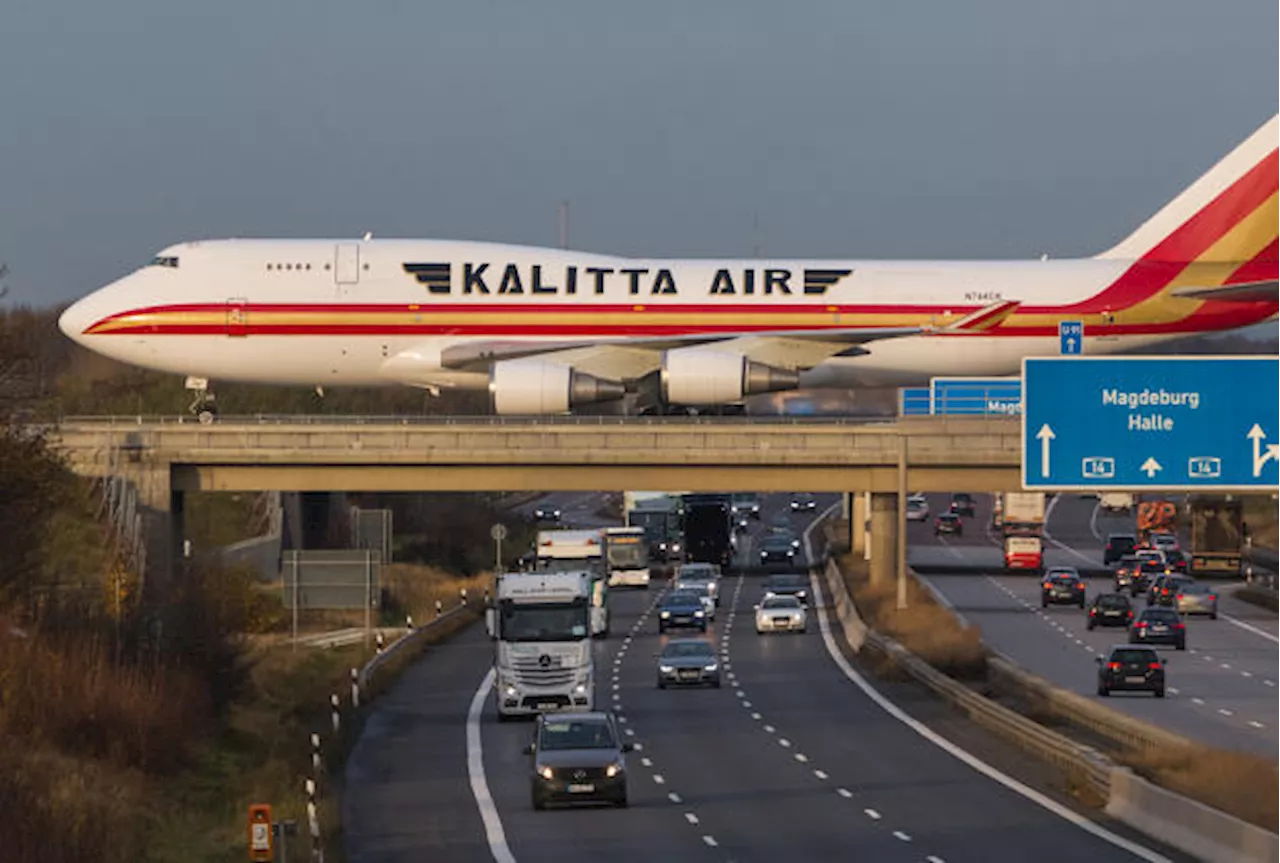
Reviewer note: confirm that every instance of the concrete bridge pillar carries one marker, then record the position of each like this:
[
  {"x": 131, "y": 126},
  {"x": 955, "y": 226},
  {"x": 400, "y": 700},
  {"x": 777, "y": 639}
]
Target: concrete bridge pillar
[
  {"x": 858, "y": 523},
  {"x": 884, "y": 538},
  {"x": 164, "y": 525}
]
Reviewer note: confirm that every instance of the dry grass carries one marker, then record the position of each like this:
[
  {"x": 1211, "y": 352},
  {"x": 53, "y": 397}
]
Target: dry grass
[
  {"x": 1243, "y": 785},
  {"x": 410, "y": 588},
  {"x": 924, "y": 627}
]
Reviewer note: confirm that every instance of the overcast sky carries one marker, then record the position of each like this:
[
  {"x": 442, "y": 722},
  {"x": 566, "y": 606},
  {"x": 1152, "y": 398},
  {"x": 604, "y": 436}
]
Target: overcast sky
[{"x": 882, "y": 128}]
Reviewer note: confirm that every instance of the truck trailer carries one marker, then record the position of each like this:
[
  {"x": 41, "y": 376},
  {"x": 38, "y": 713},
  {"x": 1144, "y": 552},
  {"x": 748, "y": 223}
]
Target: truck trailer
[{"x": 1217, "y": 535}]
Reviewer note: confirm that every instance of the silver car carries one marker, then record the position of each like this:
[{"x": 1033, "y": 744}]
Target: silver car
[
  {"x": 781, "y": 614},
  {"x": 1197, "y": 598},
  {"x": 699, "y": 576}
]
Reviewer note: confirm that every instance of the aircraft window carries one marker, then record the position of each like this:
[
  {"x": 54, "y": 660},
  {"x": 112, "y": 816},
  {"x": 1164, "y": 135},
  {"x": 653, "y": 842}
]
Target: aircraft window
[{"x": 163, "y": 261}]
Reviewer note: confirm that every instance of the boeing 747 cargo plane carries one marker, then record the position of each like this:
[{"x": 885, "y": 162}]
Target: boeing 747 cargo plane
[{"x": 546, "y": 330}]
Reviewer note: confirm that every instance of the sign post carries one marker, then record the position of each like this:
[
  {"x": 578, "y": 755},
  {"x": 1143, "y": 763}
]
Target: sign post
[
  {"x": 261, "y": 841},
  {"x": 1175, "y": 423},
  {"x": 499, "y": 533}
]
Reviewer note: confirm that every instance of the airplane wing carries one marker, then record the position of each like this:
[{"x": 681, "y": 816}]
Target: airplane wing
[
  {"x": 1245, "y": 292},
  {"x": 635, "y": 357}
]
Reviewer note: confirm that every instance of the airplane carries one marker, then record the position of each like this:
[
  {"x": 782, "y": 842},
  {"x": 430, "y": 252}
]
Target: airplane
[{"x": 547, "y": 331}]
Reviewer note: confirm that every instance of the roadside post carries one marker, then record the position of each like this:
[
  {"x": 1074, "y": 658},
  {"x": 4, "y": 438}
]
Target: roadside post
[
  {"x": 261, "y": 841},
  {"x": 499, "y": 533}
]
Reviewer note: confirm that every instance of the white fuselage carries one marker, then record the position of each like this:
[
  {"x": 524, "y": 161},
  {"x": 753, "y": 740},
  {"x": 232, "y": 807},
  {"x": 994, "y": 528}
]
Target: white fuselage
[{"x": 333, "y": 313}]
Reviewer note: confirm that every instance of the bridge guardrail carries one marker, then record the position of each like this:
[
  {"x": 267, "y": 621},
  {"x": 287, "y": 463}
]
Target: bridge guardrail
[{"x": 142, "y": 420}]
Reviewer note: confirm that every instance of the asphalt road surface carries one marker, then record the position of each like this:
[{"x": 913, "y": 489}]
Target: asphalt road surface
[
  {"x": 789, "y": 760},
  {"x": 1222, "y": 690}
]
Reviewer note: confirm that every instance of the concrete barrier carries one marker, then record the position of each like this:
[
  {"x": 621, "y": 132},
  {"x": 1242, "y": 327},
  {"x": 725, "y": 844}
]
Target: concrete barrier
[{"x": 1186, "y": 824}]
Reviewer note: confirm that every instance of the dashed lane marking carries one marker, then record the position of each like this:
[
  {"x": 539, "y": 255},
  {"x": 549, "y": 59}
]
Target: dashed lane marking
[
  {"x": 898, "y": 834},
  {"x": 845, "y": 793}
]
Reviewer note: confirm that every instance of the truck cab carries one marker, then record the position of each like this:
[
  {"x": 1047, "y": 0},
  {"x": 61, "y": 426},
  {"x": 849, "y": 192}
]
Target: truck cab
[{"x": 541, "y": 624}]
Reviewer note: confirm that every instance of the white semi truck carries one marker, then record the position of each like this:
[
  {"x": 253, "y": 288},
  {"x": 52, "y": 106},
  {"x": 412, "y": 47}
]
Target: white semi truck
[
  {"x": 541, "y": 622},
  {"x": 578, "y": 551},
  {"x": 627, "y": 556}
]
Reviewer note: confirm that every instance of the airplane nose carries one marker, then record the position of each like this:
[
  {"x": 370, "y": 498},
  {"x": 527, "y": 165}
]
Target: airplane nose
[{"x": 75, "y": 320}]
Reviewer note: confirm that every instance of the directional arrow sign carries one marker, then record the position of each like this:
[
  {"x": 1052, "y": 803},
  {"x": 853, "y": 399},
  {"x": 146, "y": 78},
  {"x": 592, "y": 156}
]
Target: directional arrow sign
[
  {"x": 1151, "y": 423},
  {"x": 1044, "y": 436}
]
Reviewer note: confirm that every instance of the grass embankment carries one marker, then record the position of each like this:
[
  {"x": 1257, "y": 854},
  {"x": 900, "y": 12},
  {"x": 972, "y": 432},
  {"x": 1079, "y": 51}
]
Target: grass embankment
[{"x": 1246, "y": 786}]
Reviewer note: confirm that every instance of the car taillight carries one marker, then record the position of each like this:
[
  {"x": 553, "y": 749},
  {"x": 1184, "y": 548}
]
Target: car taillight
[
  {"x": 1080, "y": 585},
  {"x": 1114, "y": 666},
  {"x": 1179, "y": 626},
  {"x": 1046, "y": 585},
  {"x": 1141, "y": 624},
  {"x": 1092, "y": 612},
  {"x": 1131, "y": 615},
  {"x": 1153, "y": 666}
]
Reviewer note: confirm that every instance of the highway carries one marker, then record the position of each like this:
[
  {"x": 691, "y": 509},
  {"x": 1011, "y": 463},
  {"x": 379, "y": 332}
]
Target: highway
[
  {"x": 789, "y": 760},
  {"x": 1222, "y": 690}
]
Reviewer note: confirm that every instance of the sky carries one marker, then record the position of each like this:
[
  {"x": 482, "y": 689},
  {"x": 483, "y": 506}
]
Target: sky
[{"x": 875, "y": 129}]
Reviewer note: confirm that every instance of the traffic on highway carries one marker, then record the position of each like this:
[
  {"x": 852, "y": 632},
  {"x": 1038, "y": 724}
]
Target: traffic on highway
[
  {"x": 1117, "y": 571},
  {"x": 723, "y": 724}
]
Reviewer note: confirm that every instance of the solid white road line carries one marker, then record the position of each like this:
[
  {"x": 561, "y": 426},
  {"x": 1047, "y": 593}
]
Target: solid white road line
[
  {"x": 1235, "y": 621},
  {"x": 493, "y": 832},
  {"x": 963, "y": 755}
]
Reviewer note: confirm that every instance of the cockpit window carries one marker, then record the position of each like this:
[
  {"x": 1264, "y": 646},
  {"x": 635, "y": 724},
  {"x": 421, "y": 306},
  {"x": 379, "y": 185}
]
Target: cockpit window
[{"x": 164, "y": 261}]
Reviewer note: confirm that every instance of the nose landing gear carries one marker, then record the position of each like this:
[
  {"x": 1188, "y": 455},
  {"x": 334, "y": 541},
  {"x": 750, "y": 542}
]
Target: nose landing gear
[{"x": 204, "y": 406}]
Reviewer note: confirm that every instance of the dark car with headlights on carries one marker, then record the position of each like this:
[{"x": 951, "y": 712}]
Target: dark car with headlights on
[
  {"x": 1159, "y": 626},
  {"x": 577, "y": 758},
  {"x": 1132, "y": 669},
  {"x": 803, "y": 503},
  {"x": 682, "y": 608},
  {"x": 962, "y": 504},
  {"x": 1062, "y": 585},
  {"x": 547, "y": 513},
  {"x": 777, "y": 549},
  {"x": 949, "y": 523},
  {"x": 1110, "y": 609},
  {"x": 688, "y": 662},
  {"x": 787, "y": 585}
]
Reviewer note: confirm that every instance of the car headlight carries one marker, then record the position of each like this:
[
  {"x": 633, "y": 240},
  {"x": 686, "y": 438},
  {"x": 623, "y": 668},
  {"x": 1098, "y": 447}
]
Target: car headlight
[
  {"x": 698, "y": 613},
  {"x": 712, "y": 667},
  {"x": 666, "y": 669},
  {"x": 546, "y": 773},
  {"x": 763, "y": 555},
  {"x": 665, "y": 614},
  {"x": 511, "y": 691},
  {"x": 612, "y": 770},
  {"x": 802, "y": 594},
  {"x": 580, "y": 689}
]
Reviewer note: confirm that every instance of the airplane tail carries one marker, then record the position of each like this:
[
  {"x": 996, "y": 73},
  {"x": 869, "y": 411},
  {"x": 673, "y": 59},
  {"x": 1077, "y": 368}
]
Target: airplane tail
[{"x": 1228, "y": 215}]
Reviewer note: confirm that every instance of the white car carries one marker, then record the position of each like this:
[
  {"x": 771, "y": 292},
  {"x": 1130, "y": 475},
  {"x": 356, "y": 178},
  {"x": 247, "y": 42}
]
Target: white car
[
  {"x": 917, "y": 508},
  {"x": 781, "y": 614},
  {"x": 699, "y": 576},
  {"x": 702, "y": 588}
]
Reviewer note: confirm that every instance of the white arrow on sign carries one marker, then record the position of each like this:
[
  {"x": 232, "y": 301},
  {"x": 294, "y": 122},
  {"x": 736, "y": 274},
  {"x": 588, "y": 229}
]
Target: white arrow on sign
[
  {"x": 1150, "y": 466},
  {"x": 1261, "y": 456},
  {"x": 1044, "y": 436}
]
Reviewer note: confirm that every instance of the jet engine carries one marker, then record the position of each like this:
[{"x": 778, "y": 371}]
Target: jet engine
[
  {"x": 534, "y": 386},
  {"x": 705, "y": 376}
]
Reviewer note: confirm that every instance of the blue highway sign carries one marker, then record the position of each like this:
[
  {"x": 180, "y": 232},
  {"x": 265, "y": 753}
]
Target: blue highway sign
[
  {"x": 914, "y": 401},
  {"x": 976, "y": 396},
  {"x": 1151, "y": 422},
  {"x": 1070, "y": 337}
]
